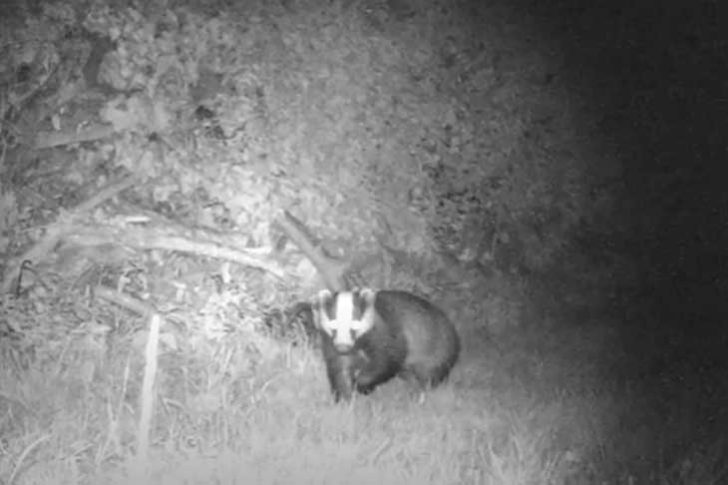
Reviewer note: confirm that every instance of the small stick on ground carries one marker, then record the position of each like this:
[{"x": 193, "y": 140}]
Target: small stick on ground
[{"x": 146, "y": 401}]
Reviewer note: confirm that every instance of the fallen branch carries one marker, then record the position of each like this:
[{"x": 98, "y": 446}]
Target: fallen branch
[
  {"x": 59, "y": 229},
  {"x": 171, "y": 238},
  {"x": 333, "y": 271}
]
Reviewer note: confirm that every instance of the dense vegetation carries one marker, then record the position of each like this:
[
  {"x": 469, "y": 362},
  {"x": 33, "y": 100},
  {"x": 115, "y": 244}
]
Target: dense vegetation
[{"x": 546, "y": 174}]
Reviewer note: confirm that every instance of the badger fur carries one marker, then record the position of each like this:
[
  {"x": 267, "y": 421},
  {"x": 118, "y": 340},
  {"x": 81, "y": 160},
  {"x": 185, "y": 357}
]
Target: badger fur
[{"x": 369, "y": 337}]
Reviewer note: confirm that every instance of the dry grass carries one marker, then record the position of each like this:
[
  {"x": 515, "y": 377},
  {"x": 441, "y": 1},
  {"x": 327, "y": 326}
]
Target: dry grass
[{"x": 545, "y": 409}]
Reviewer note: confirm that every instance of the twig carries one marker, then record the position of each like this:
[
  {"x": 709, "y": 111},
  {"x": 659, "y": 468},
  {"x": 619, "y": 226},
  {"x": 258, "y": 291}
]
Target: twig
[
  {"x": 24, "y": 455},
  {"x": 106, "y": 193},
  {"x": 125, "y": 301},
  {"x": 47, "y": 139}
]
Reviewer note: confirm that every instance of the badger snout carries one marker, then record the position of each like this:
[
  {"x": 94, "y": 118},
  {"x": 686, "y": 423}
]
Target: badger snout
[{"x": 343, "y": 347}]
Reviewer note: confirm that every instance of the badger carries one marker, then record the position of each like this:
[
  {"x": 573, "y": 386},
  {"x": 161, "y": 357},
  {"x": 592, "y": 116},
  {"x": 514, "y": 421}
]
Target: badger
[{"x": 368, "y": 337}]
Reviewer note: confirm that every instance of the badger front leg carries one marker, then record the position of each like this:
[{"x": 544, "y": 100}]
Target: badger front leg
[
  {"x": 343, "y": 371},
  {"x": 378, "y": 367}
]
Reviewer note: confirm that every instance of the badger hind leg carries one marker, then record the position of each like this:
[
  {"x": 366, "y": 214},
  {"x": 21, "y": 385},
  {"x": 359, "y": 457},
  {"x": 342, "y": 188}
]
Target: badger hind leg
[{"x": 424, "y": 378}]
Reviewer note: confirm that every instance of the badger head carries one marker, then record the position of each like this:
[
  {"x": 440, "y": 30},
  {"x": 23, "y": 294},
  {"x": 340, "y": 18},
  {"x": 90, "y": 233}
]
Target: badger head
[{"x": 344, "y": 316}]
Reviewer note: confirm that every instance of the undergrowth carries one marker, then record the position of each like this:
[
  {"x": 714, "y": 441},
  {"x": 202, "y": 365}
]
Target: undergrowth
[{"x": 438, "y": 128}]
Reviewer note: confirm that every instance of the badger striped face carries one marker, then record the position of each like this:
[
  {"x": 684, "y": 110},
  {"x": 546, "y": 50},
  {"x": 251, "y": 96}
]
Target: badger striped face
[{"x": 345, "y": 316}]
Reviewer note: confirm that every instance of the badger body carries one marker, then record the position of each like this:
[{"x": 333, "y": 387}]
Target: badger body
[{"x": 370, "y": 337}]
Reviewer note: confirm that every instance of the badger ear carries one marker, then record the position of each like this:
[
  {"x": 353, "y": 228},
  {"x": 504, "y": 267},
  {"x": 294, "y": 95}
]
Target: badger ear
[
  {"x": 368, "y": 295},
  {"x": 323, "y": 296}
]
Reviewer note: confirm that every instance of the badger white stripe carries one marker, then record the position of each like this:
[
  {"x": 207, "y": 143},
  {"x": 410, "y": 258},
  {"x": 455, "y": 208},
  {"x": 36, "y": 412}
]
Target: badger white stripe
[
  {"x": 344, "y": 320},
  {"x": 344, "y": 307}
]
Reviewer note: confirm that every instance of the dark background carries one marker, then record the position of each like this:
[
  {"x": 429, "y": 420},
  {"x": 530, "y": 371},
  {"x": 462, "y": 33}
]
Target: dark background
[{"x": 659, "y": 71}]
